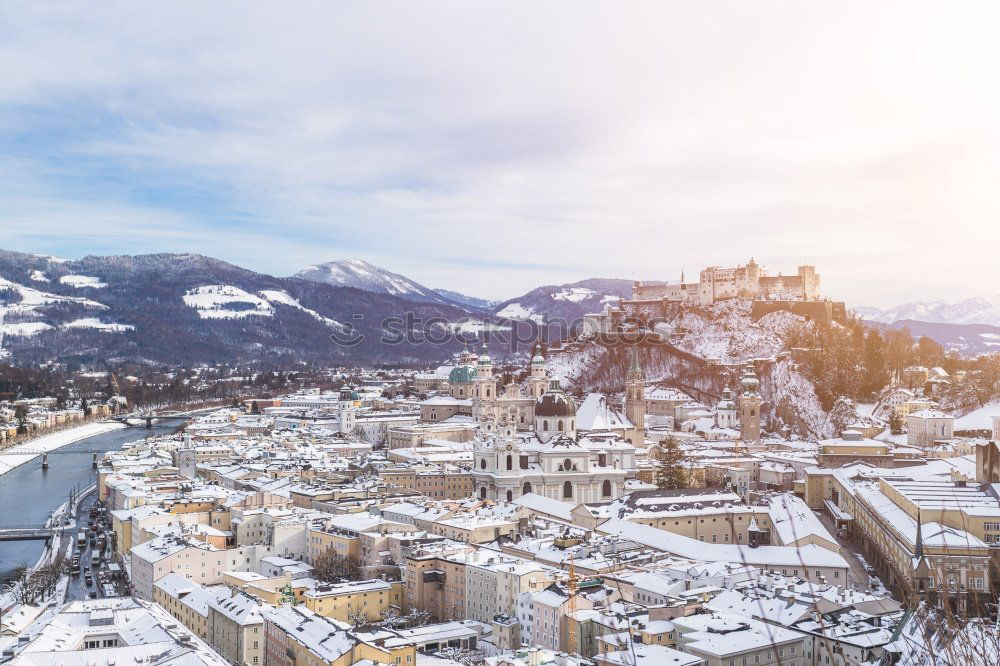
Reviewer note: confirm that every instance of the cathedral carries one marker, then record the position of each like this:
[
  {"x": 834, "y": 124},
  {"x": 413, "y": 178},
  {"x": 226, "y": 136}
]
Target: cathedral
[{"x": 529, "y": 441}]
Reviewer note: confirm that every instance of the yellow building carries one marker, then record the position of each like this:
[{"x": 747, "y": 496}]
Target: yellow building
[
  {"x": 348, "y": 601},
  {"x": 296, "y": 636}
]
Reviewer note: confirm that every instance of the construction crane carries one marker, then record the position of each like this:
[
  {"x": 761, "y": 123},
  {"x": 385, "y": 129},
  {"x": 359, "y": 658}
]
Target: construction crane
[{"x": 573, "y": 586}]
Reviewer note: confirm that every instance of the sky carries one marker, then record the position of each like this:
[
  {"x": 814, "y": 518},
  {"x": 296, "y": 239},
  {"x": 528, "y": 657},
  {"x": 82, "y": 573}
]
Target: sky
[{"x": 493, "y": 147}]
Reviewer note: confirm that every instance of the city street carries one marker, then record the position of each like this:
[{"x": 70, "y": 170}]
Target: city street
[
  {"x": 857, "y": 575},
  {"x": 78, "y": 588}
]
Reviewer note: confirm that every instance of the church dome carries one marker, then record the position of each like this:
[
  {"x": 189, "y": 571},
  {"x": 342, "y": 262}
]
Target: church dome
[
  {"x": 462, "y": 374},
  {"x": 555, "y": 403},
  {"x": 348, "y": 394}
]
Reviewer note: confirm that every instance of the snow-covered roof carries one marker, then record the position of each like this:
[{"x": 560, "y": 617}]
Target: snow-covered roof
[{"x": 594, "y": 413}]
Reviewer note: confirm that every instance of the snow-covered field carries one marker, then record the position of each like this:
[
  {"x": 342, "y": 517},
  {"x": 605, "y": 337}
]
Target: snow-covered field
[
  {"x": 518, "y": 312},
  {"x": 573, "y": 294},
  {"x": 94, "y": 322},
  {"x": 211, "y": 300},
  {"x": 25, "y": 329},
  {"x": 81, "y": 281},
  {"x": 32, "y": 298},
  {"x": 28, "y": 329},
  {"x": 11, "y": 458},
  {"x": 475, "y": 327}
]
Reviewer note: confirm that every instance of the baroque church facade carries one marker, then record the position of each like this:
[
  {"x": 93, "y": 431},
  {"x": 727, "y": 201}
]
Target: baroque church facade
[{"x": 529, "y": 441}]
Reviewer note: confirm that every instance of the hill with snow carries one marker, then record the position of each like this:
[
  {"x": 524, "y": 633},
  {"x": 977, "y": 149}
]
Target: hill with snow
[
  {"x": 185, "y": 308},
  {"x": 564, "y": 305},
  {"x": 365, "y": 276},
  {"x": 708, "y": 348}
]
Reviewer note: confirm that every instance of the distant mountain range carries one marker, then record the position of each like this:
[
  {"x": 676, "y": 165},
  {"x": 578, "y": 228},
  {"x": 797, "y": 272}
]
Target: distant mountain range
[
  {"x": 970, "y": 326},
  {"x": 966, "y": 339},
  {"x": 977, "y": 310},
  {"x": 188, "y": 309}
]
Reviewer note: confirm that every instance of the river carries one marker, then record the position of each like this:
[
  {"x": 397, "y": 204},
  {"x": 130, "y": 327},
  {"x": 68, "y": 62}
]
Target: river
[{"x": 28, "y": 494}]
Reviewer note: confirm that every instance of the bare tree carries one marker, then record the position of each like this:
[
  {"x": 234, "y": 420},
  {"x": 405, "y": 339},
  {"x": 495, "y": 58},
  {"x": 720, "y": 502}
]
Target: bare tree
[{"x": 331, "y": 567}]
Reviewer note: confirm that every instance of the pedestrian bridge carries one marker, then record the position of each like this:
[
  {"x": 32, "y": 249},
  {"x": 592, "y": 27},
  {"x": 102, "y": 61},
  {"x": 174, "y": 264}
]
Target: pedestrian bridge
[{"x": 25, "y": 533}]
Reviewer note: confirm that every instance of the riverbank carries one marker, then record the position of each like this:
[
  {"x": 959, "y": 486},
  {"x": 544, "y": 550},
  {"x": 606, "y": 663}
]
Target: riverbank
[{"x": 12, "y": 457}]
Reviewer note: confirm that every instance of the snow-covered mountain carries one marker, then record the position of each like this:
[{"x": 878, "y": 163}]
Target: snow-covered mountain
[
  {"x": 566, "y": 302},
  {"x": 363, "y": 275},
  {"x": 976, "y": 310},
  {"x": 468, "y": 301},
  {"x": 187, "y": 308}
]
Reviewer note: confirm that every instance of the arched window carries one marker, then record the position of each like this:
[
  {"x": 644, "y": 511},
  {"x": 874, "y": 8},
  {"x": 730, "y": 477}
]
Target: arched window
[
  {"x": 606, "y": 488},
  {"x": 482, "y": 464},
  {"x": 526, "y": 488},
  {"x": 487, "y": 393},
  {"x": 510, "y": 495},
  {"x": 524, "y": 462},
  {"x": 482, "y": 492},
  {"x": 510, "y": 462},
  {"x": 560, "y": 426},
  {"x": 751, "y": 412},
  {"x": 545, "y": 424},
  {"x": 568, "y": 490}
]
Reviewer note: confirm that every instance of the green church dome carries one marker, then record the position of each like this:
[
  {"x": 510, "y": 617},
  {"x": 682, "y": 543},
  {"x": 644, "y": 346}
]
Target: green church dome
[{"x": 462, "y": 374}]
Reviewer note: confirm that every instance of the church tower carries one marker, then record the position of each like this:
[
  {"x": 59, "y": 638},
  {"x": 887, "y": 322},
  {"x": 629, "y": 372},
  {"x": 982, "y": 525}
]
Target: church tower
[
  {"x": 537, "y": 375},
  {"x": 750, "y": 405},
  {"x": 635, "y": 398},
  {"x": 725, "y": 412},
  {"x": 346, "y": 411},
  {"x": 484, "y": 388}
]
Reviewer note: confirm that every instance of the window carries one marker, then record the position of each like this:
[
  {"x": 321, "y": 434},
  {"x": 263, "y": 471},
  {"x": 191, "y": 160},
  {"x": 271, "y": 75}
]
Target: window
[
  {"x": 510, "y": 462},
  {"x": 482, "y": 464},
  {"x": 606, "y": 488},
  {"x": 568, "y": 489},
  {"x": 526, "y": 488}
]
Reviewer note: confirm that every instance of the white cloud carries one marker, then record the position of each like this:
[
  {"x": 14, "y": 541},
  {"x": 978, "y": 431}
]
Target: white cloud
[{"x": 592, "y": 139}]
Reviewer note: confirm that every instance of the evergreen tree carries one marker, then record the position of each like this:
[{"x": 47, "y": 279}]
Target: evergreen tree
[
  {"x": 21, "y": 415},
  {"x": 671, "y": 474},
  {"x": 895, "y": 423}
]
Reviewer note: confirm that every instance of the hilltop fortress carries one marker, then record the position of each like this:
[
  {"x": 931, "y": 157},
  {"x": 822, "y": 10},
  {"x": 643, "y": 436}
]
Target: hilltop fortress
[
  {"x": 798, "y": 293},
  {"x": 748, "y": 281}
]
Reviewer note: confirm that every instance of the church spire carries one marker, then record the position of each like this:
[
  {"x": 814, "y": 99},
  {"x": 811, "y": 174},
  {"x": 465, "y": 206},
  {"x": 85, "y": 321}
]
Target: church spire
[
  {"x": 634, "y": 367},
  {"x": 918, "y": 550}
]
